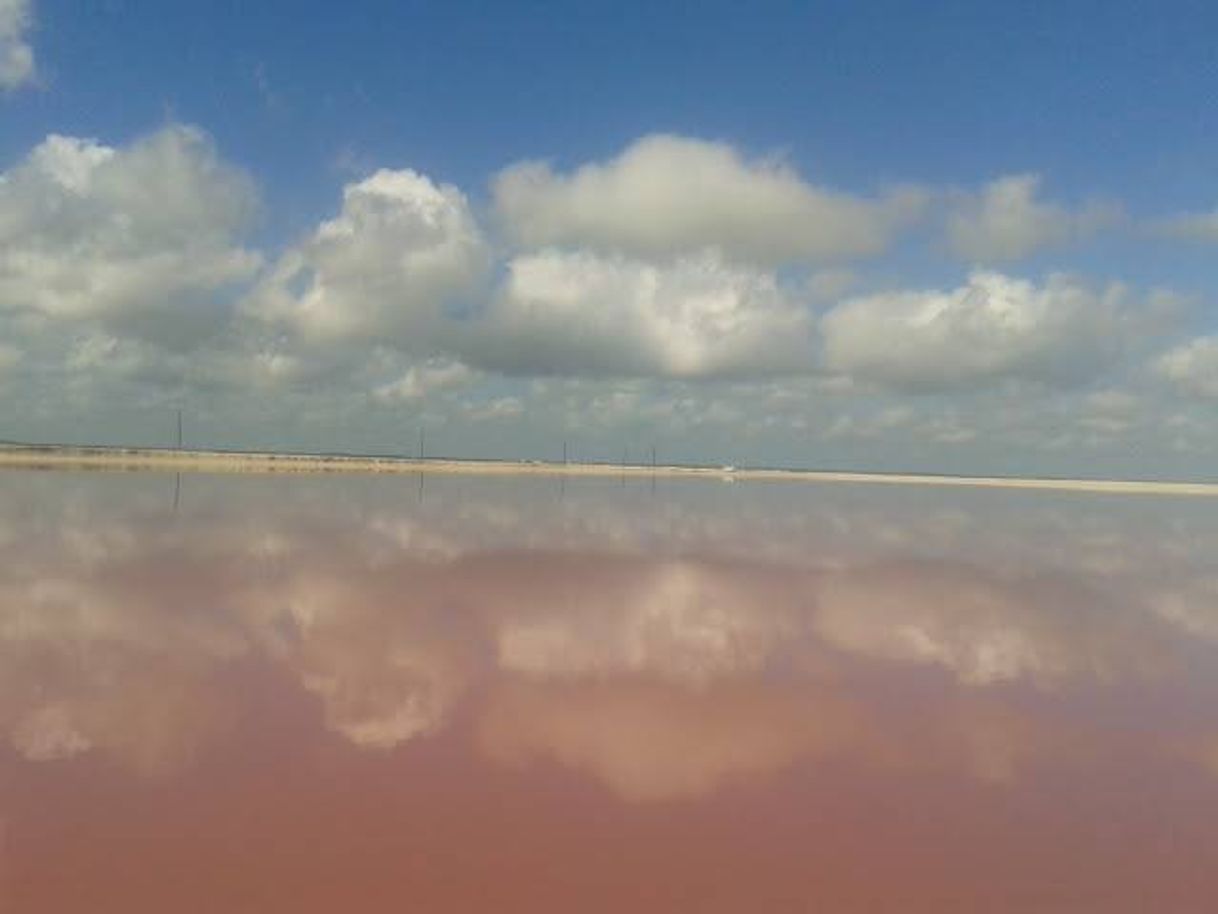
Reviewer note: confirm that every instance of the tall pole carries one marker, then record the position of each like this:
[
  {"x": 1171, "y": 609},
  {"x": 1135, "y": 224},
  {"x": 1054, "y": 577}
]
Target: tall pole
[
  {"x": 564, "y": 452},
  {"x": 179, "y": 430},
  {"x": 422, "y": 440}
]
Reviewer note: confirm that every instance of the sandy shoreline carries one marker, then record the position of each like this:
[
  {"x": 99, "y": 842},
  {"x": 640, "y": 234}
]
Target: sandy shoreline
[{"x": 134, "y": 459}]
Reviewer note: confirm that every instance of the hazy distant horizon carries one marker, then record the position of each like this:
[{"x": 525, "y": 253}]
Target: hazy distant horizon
[{"x": 69, "y": 457}]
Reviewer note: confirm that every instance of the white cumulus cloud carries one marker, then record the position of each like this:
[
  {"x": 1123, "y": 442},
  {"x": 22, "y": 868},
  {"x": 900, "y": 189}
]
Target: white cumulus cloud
[
  {"x": 1192, "y": 367},
  {"x": 143, "y": 237},
  {"x": 16, "y": 55},
  {"x": 429, "y": 377},
  {"x": 1007, "y": 221},
  {"x": 666, "y": 195},
  {"x": 384, "y": 268},
  {"x": 993, "y": 328},
  {"x": 584, "y": 314}
]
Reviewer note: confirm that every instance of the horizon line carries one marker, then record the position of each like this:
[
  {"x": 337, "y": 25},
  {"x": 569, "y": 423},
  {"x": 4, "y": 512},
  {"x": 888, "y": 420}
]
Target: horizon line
[{"x": 15, "y": 455}]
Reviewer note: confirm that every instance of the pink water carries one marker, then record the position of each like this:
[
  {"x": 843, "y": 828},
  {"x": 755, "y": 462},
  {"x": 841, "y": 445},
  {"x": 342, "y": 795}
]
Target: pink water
[{"x": 504, "y": 695}]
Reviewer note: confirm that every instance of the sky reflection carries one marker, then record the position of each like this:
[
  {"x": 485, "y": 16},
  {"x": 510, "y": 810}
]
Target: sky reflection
[{"x": 964, "y": 680}]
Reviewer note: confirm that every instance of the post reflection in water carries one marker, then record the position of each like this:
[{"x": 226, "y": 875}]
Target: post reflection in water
[{"x": 332, "y": 694}]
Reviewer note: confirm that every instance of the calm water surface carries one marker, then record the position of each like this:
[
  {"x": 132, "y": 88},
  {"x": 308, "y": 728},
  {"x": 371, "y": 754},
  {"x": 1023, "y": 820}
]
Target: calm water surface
[{"x": 450, "y": 695}]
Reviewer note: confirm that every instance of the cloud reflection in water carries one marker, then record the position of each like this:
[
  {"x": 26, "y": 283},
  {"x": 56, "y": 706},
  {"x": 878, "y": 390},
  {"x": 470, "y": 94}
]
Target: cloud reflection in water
[{"x": 662, "y": 650}]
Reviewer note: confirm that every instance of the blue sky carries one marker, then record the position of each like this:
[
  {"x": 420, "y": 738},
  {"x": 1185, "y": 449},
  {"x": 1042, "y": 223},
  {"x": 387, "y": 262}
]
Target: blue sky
[
  {"x": 1101, "y": 98},
  {"x": 1107, "y": 109}
]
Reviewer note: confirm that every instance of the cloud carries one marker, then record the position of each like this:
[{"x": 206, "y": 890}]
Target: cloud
[
  {"x": 663, "y": 674},
  {"x": 405, "y": 265},
  {"x": 578, "y": 313},
  {"x": 985, "y": 627},
  {"x": 648, "y": 742},
  {"x": 142, "y": 238},
  {"x": 1190, "y": 603},
  {"x": 382, "y": 674},
  {"x": 10, "y": 356},
  {"x": 1007, "y": 222},
  {"x": 145, "y": 691},
  {"x": 1192, "y": 367},
  {"x": 685, "y": 621},
  {"x": 400, "y": 250},
  {"x": 16, "y": 55},
  {"x": 991, "y": 329},
  {"x": 651, "y": 742},
  {"x": 48, "y": 733},
  {"x": 666, "y": 195},
  {"x": 126, "y": 277},
  {"x": 427, "y": 378},
  {"x": 1193, "y": 226},
  {"x": 498, "y": 408}
]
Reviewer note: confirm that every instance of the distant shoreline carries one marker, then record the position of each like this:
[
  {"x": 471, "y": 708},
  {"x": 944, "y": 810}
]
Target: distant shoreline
[{"x": 57, "y": 457}]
